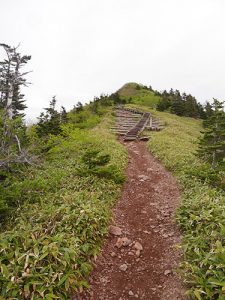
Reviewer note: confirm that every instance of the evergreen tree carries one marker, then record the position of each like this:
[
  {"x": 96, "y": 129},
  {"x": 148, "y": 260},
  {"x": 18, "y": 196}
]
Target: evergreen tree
[
  {"x": 201, "y": 111},
  {"x": 63, "y": 115},
  {"x": 79, "y": 106},
  {"x": 11, "y": 80},
  {"x": 50, "y": 120},
  {"x": 116, "y": 99},
  {"x": 190, "y": 106},
  {"x": 209, "y": 110},
  {"x": 208, "y": 114},
  {"x": 103, "y": 100},
  {"x": 11, "y": 99},
  {"x": 94, "y": 107},
  {"x": 177, "y": 105},
  {"x": 18, "y": 103},
  {"x": 165, "y": 100},
  {"x": 212, "y": 143},
  {"x": 181, "y": 105},
  {"x": 164, "y": 103}
]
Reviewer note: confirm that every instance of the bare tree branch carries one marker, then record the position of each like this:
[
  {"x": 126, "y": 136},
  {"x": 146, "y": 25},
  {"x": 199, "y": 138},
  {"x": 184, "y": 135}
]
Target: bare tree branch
[{"x": 22, "y": 158}]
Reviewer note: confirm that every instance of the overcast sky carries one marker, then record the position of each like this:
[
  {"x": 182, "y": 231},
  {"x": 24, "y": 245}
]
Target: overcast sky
[{"x": 82, "y": 48}]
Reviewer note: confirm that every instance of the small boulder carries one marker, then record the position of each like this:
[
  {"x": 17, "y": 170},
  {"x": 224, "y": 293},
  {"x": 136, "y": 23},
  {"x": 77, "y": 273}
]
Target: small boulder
[
  {"x": 113, "y": 254},
  {"x": 138, "y": 253},
  {"x": 167, "y": 272},
  {"x": 138, "y": 246},
  {"x": 123, "y": 267},
  {"x": 143, "y": 177},
  {"x": 115, "y": 230},
  {"x": 131, "y": 293},
  {"x": 123, "y": 242}
]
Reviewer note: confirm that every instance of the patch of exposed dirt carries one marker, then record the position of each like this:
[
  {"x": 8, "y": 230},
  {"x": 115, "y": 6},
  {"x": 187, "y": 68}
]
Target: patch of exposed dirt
[{"x": 140, "y": 261}]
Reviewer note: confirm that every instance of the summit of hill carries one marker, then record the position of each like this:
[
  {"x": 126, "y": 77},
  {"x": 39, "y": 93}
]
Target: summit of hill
[{"x": 138, "y": 94}]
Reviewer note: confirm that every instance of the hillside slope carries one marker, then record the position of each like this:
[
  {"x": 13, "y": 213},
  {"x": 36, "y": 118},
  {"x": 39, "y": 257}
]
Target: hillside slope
[
  {"x": 60, "y": 209},
  {"x": 201, "y": 215},
  {"x": 63, "y": 213}
]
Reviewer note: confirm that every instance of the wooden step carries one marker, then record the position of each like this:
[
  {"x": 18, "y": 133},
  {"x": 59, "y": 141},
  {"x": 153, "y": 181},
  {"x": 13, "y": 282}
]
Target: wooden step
[
  {"x": 130, "y": 138},
  {"x": 144, "y": 138}
]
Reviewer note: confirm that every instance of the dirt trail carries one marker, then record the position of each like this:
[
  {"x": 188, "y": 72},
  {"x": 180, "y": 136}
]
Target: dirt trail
[{"x": 144, "y": 212}]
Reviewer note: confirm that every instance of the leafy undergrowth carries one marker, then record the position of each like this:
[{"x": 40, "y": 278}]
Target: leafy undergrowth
[
  {"x": 201, "y": 215},
  {"x": 46, "y": 251}
]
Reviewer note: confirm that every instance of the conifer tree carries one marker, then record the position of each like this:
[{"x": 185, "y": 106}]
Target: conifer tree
[
  {"x": 181, "y": 105},
  {"x": 115, "y": 97},
  {"x": 11, "y": 99},
  {"x": 63, "y": 115},
  {"x": 190, "y": 106},
  {"x": 208, "y": 109},
  {"x": 94, "y": 106},
  {"x": 212, "y": 143},
  {"x": 50, "y": 120},
  {"x": 177, "y": 105},
  {"x": 201, "y": 111},
  {"x": 164, "y": 103},
  {"x": 11, "y": 80},
  {"x": 79, "y": 106}
]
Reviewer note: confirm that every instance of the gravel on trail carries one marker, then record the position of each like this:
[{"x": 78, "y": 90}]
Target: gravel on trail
[{"x": 140, "y": 256}]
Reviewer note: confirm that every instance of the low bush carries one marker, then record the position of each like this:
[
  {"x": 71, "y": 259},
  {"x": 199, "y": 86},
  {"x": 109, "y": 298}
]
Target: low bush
[
  {"x": 97, "y": 164},
  {"x": 206, "y": 174}
]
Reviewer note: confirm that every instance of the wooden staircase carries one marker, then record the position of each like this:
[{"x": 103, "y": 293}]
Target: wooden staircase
[{"x": 131, "y": 122}]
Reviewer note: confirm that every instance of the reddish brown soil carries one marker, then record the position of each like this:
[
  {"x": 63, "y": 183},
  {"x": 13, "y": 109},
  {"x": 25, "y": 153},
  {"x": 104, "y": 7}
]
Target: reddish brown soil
[{"x": 145, "y": 213}]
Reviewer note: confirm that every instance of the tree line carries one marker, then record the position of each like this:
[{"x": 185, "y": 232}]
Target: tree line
[
  {"x": 212, "y": 142},
  {"x": 182, "y": 104},
  {"x": 13, "y": 145},
  {"x": 13, "y": 137}
]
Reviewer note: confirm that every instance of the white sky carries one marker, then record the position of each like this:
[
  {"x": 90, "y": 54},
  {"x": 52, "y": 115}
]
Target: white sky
[{"x": 81, "y": 48}]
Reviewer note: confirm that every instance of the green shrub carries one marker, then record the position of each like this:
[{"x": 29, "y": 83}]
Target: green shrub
[
  {"x": 111, "y": 172},
  {"x": 205, "y": 173},
  {"x": 85, "y": 119},
  {"x": 97, "y": 164},
  {"x": 92, "y": 159}
]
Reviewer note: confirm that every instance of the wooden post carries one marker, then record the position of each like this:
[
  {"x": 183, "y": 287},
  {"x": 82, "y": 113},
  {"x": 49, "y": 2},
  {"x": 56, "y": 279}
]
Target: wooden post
[{"x": 150, "y": 121}]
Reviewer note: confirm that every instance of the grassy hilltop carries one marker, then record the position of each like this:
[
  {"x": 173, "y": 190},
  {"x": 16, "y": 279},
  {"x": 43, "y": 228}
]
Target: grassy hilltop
[{"x": 138, "y": 94}]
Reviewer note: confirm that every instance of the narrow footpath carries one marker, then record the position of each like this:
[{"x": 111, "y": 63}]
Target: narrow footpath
[{"x": 140, "y": 255}]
